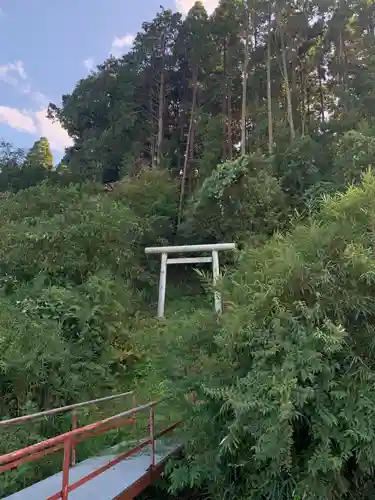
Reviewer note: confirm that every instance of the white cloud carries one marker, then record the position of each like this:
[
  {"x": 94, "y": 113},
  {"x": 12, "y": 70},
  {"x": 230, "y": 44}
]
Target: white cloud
[
  {"x": 120, "y": 44},
  {"x": 14, "y": 74},
  {"x": 36, "y": 123},
  {"x": 185, "y": 5},
  {"x": 2, "y": 13},
  {"x": 20, "y": 69},
  {"x": 31, "y": 121},
  {"x": 89, "y": 63},
  {"x": 15, "y": 118},
  {"x": 57, "y": 136},
  {"x": 40, "y": 99}
]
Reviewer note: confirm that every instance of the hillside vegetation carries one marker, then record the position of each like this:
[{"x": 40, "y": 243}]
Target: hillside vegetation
[{"x": 253, "y": 125}]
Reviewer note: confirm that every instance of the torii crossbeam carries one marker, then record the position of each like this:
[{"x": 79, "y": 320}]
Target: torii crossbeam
[{"x": 214, "y": 249}]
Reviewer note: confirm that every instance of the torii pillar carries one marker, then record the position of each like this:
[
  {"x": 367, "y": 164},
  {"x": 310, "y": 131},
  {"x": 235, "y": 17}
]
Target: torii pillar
[{"x": 214, "y": 249}]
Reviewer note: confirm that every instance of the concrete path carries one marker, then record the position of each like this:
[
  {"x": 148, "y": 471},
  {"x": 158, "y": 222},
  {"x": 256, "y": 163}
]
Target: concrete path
[{"x": 107, "y": 485}]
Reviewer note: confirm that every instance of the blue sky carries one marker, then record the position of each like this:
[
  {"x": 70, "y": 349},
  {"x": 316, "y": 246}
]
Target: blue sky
[{"x": 47, "y": 45}]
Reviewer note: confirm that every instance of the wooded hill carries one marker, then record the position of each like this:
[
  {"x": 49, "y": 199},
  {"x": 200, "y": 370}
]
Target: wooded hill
[{"x": 255, "y": 125}]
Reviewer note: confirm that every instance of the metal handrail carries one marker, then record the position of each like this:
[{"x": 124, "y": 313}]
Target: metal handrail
[
  {"x": 68, "y": 439},
  {"x": 14, "y": 455},
  {"x": 62, "y": 409}
]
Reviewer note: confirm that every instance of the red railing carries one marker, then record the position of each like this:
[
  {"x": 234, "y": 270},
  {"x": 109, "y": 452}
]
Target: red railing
[
  {"x": 68, "y": 441},
  {"x": 72, "y": 409}
]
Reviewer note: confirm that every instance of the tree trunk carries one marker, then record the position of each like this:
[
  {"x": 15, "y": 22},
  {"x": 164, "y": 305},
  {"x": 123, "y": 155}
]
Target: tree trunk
[
  {"x": 269, "y": 90},
  {"x": 161, "y": 115},
  {"x": 341, "y": 57},
  {"x": 224, "y": 101},
  {"x": 152, "y": 140},
  {"x": 308, "y": 108},
  {"x": 287, "y": 87},
  {"x": 191, "y": 154},
  {"x": 303, "y": 100},
  {"x": 321, "y": 94},
  {"x": 229, "y": 121},
  {"x": 187, "y": 150},
  {"x": 181, "y": 140},
  {"x": 153, "y": 152},
  {"x": 182, "y": 123},
  {"x": 294, "y": 93},
  {"x": 244, "y": 88},
  {"x": 229, "y": 103}
]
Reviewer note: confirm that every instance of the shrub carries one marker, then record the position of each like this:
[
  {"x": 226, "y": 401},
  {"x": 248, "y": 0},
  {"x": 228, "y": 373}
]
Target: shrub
[
  {"x": 44, "y": 201},
  {"x": 62, "y": 345},
  {"x": 354, "y": 155},
  {"x": 150, "y": 193},
  {"x": 70, "y": 262},
  {"x": 286, "y": 378},
  {"x": 301, "y": 168},
  {"x": 72, "y": 232},
  {"x": 239, "y": 200},
  {"x": 153, "y": 197}
]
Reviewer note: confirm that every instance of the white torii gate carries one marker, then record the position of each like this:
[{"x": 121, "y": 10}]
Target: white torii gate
[{"x": 165, "y": 260}]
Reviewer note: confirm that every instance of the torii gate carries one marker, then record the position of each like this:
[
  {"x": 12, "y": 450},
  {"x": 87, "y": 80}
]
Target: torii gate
[{"x": 165, "y": 260}]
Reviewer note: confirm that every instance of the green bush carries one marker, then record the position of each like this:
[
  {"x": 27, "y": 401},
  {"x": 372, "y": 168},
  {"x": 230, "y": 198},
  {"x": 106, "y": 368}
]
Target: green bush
[
  {"x": 304, "y": 170},
  {"x": 150, "y": 193},
  {"x": 354, "y": 155},
  {"x": 72, "y": 283},
  {"x": 240, "y": 199},
  {"x": 69, "y": 233},
  {"x": 44, "y": 200},
  {"x": 91, "y": 235},
  {"x": 286, "y": 378},
  {"x": 65, "y": 343}
]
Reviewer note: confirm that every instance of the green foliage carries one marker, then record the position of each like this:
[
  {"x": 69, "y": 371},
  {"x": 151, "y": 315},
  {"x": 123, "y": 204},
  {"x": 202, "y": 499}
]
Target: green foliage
[
  {"x": 135, "y": 111},
  {"x": 152, "y": 196},
  {"x": 285, "y": 378},
  {"x": 150, "y": 193},
  {"x": 210, "y": 130},
  {"x": 71, "y": 258},
  {"x": 88, "y": 235},
  {"x": 304, "y": 169},
  {"x": 69, "y": 233},
  {"x": 61, "y": 345},
  {"x": 73, "y": 279},
  {"x": 354, "y": 155},
  {"x": 69, "y": 331},
  {"x": 240, "y": 200},
  {"x": 64, "y": 239},
  {"x": 44, "y": 201},
  {"x": 20, "y": 171},
  {"x": 40, "y": 155}
]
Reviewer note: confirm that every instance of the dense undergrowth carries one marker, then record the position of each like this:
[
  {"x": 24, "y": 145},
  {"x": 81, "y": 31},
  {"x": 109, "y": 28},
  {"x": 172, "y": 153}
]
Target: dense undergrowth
[{"x": 284, "y": 378}]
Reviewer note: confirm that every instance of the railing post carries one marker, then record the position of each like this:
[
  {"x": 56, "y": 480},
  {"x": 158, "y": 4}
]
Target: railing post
[
  {"x": 152, "y": 436},
  {"x": 74, "y": 426},
  {"x": 66, "y": 467}
]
